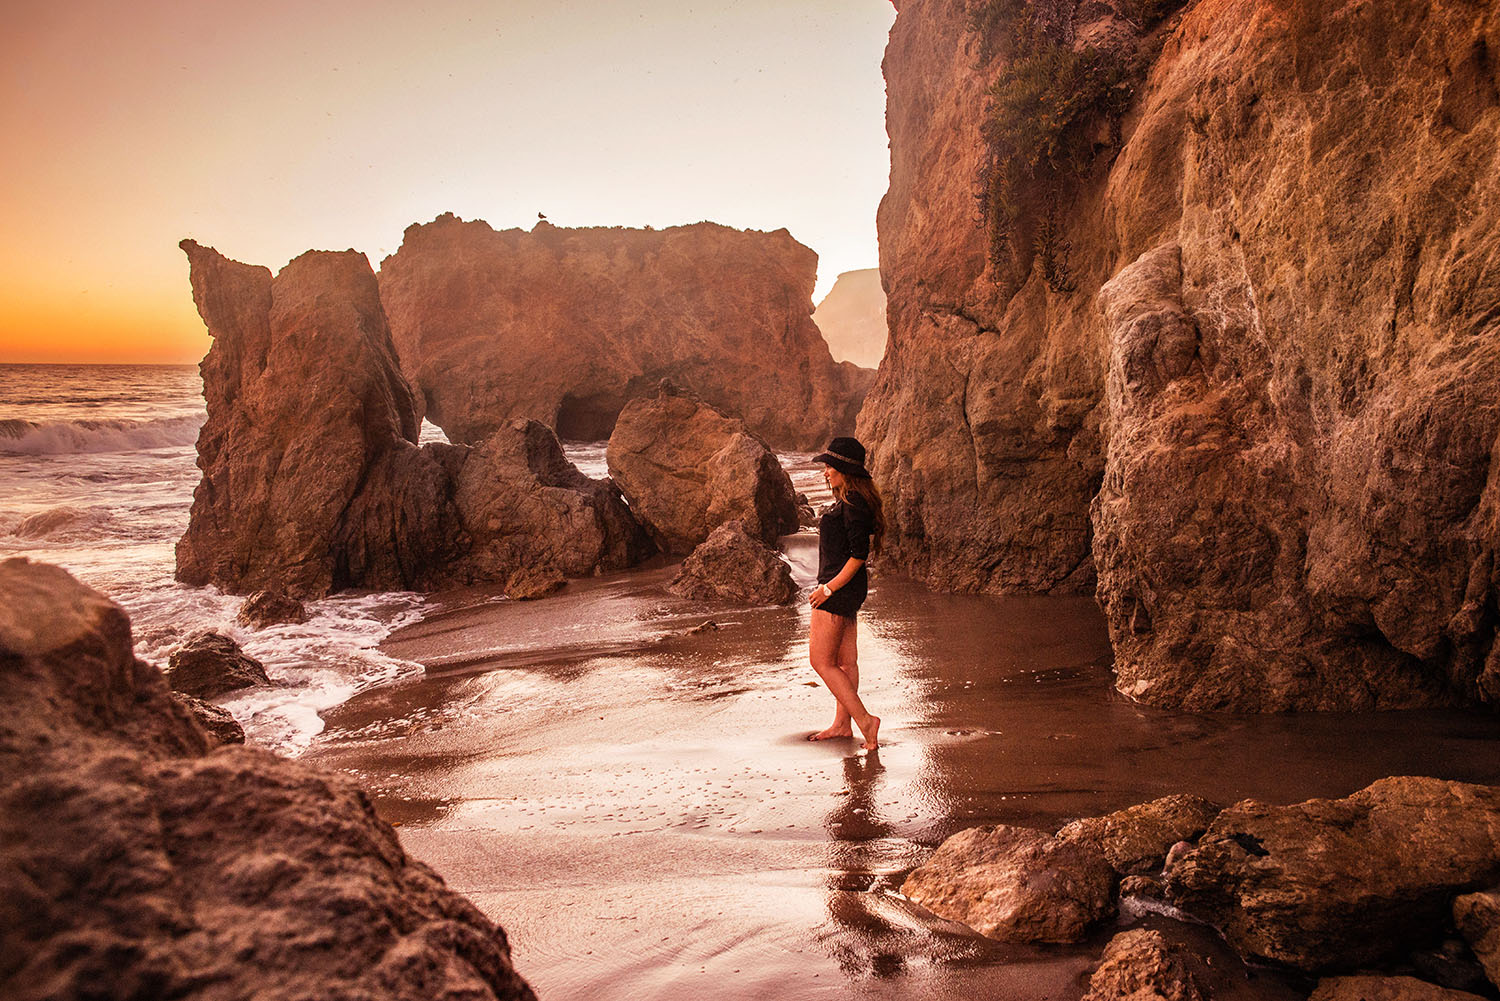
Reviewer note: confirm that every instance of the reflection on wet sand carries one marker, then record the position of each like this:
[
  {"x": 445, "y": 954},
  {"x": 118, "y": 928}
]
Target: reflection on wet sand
[{"x": 637, "y": 805}]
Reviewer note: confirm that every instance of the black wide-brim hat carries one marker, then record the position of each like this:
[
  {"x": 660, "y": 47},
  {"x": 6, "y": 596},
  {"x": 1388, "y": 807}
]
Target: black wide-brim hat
[{"x": 846, "y": 455}]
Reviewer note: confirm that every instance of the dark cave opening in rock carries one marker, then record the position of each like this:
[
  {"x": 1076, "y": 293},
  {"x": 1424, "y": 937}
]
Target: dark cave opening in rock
[{"x": 588, "y": 418}]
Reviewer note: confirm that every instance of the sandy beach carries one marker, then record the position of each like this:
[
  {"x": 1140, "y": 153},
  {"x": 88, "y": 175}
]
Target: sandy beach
[{"x": 636, "y": 803}]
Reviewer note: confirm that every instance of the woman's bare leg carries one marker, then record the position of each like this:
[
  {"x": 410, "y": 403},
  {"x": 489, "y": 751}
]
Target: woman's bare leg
[
  {"x": 848, "y": 662},
  {"x": 825, "y": 644}
]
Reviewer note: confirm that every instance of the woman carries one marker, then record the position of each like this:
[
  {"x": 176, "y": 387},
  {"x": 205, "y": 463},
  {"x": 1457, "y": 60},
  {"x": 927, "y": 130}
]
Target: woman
[{"x": 846, "y": 534}]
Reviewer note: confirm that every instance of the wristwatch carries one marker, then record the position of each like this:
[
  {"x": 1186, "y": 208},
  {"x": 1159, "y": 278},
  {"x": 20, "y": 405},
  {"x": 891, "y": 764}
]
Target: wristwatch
[{"x": 827, "y": 592}]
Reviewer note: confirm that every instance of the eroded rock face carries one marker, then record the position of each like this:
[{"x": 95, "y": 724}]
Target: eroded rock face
[
  {"x": 1332, "y": 884},
  {"x": 311, "y": 478},
  {"x": 1136, "y": 840},
  {"x": 525, "y": 506},
  {"x": 217, "y": 722},
  {"x": 1279, "y": 368},
  {"x": 565, "y": 326},
  {"x": 732, "y": 565},
  {"x": 1016, "y": 884},
  {"x": 686, "y": 469},
  {"x": 210, "y": 664},
  {"x": 135, "y": 865}
]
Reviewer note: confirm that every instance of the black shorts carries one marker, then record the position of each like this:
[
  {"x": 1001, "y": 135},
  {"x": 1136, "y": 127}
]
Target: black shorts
[{"x": 848, "y": 599}]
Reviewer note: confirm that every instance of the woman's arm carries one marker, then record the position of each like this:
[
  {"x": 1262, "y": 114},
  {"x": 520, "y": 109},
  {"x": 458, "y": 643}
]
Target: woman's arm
[{"x": 851, "y": 567}]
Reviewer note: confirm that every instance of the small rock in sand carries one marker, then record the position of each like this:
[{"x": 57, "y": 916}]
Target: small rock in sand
[{"x": 211, "y": 664}]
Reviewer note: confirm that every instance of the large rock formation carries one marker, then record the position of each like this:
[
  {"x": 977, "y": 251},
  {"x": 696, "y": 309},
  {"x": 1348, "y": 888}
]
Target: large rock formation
[
  {"x": 1333, "y": 884},
  {"x": 134, "y": 865},
  {"x": 686, "y": 469},
  {"x": 312, "y": 480},
  {"x": 852, "y": 318},
  {"x": 1264, "y": 403},
  {"x": 564, "y": 326},
  {"x": 731, "y": 565},
  {"x": 525, "y": 506}
]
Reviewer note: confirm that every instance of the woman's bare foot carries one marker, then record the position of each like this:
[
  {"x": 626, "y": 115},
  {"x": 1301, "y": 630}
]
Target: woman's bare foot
[
  {"x": 832, "y": 732},
  {"x": 871, "y": 730}
]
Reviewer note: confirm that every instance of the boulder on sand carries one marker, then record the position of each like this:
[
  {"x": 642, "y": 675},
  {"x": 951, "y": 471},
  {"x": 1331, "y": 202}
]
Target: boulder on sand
[
  {"x": 523, "y": 504},
  {"x": 1367, "y": 988},
  {"x": 686, "y": 468},
  {"x": 1016, "y": 884},
  {"x": 732, "y": 566},
  {"x": 135, "y": 865},
  {"x": 1141, "y": 965},
  {"x": 210, "y": 664},
  {"x": 1136, "y": 840},
  {"x": 1334, "y": 884}
]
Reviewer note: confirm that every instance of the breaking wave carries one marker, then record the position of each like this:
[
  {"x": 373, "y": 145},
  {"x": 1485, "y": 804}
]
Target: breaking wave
[{"x": 18, "y": 437}]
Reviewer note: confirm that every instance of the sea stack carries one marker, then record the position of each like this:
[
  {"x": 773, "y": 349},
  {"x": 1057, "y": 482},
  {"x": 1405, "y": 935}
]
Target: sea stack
[{"x": 565, "y": 326}]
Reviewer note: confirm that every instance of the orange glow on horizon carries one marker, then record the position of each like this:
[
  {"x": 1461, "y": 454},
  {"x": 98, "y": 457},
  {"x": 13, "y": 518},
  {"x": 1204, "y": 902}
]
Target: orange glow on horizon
[{"x": 101, "y": 329}]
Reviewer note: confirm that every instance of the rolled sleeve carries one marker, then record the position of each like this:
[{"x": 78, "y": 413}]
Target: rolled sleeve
[{"x": 859, "y": 523}]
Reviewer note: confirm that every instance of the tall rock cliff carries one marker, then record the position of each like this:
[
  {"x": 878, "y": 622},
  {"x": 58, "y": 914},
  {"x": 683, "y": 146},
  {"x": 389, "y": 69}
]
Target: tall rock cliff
[
  {"x": 564, "y": 326},
  {"x": 312, "y": 480},
  {"x": 1263, "y": 403},
  {"x": 852, "y": 318}
]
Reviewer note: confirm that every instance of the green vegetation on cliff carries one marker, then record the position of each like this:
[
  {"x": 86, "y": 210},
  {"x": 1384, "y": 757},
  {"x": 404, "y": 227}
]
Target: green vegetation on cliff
[{"x": 1052, "y": 109}]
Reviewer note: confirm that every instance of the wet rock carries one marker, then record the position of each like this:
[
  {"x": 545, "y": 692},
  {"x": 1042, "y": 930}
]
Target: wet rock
[
  {"x": 1136, "y": 840},
  {"x": 531, "y": 583},
  {"x": 210, "y": 664},
  {"x": 217, "y": 722},
  {"x": 1016, "y": 884},
  {"x": 1373, "y": 988},
  {"x": 565, "y": 326},
  {"x": 1142, "y": 887},
  {"x": 1141, "y": 965},
  {"x": 136, "y": 865},
  {"x": 732, "y": 566},
  {"x": 686, "y": 469},
  {"x": 523, "y": 505},
  {"x": 1340, "y": 883},
  {"x": 312, "y": 481},
  {"x": 270, "y": 608},
  {"x": 1477, "y": 916},
  {"x": 1276, "y": 370}
]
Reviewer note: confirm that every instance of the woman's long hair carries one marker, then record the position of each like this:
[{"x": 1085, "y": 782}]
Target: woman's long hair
[{"x": 865, "y": 488}]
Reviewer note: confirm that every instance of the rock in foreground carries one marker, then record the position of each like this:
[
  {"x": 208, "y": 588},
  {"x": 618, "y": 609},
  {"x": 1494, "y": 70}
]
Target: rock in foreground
[
  {"x": 1141, "y": 965},
  {"x": 1332, "y": 884},
  {"x": 1477, "y": 916},
  {"x": 1016, "y": 884},
  {"x": 565, "y": 326},
  {"x": 134, "y": 865},
  {"x": 1385, "y": 989},
  {"x": 686, "y": 469},
  {"x": 732, "y": 566}
]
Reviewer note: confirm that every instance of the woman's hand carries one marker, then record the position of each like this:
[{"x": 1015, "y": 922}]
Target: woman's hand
[{"x": 819, "y": 595}]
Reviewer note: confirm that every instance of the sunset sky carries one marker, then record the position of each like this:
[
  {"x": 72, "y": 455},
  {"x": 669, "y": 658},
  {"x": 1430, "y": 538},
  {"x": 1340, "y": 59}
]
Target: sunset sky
[{"x": 265, "y": 129}]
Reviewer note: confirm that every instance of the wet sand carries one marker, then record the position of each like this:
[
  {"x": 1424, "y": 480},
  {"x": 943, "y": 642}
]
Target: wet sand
[{"x": 639, "y": 808}]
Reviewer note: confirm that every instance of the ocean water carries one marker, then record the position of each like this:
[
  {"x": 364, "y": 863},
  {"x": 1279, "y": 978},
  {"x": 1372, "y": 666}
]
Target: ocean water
[{"x": 97, "y": 471}]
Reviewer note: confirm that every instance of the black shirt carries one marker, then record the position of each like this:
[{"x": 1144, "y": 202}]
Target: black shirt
[{"x": 844, "y": 534}]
